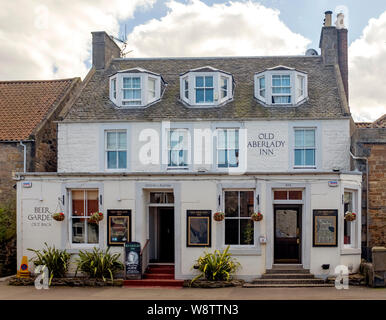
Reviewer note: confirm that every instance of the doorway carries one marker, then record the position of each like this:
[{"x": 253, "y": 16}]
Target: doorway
[
  {"x": 161, "y": 234},
  {"x": 287, "y": 231}
]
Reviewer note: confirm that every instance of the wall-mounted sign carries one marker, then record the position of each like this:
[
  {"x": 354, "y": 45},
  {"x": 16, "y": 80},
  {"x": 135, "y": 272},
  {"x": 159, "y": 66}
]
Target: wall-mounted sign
[
  {"x": 266, "y": 143},
  {"x": 198, "y": 228},
  {"x": 333, "y": 183},
  {"x": 41, "y": 217},
  {"x": 118, "y": 227},
  {"x": 133, "y": 259},
  {"x": 325, "y": 228},
  {"x": 27, "y": 184}
]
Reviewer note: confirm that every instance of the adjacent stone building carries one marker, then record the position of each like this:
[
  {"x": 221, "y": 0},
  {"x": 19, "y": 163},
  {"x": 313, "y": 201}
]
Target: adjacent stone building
[
  {"x": 28, "y": 137},
  {"x": 369, "y": 149}
]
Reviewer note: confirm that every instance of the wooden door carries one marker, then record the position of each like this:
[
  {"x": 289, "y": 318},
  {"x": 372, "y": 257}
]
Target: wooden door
[
  {"x": 166, "y": 235},
  {"x": 287, "y": 229}
]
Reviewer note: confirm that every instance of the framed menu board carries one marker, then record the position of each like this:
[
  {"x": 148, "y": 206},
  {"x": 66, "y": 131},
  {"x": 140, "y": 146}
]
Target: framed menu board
[
  {"x": 325, "y": 228},
  {"x": 118, "y": 227},
  {"x": 198, "y": 228}
]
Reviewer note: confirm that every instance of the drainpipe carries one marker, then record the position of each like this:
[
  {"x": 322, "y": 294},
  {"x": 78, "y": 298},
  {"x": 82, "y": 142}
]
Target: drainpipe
[
  {"x": 367, "y": 194},
  {"x": 25, "y": 155}
]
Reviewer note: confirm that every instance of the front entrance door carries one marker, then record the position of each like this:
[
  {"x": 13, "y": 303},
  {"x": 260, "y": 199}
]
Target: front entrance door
[
  {"x": 166, "y": 235},
  {"x": 287, "y": 228}
]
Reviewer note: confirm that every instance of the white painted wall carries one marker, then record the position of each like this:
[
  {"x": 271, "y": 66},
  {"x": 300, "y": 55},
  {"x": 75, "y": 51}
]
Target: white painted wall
[
  {"x": 81, "y": 145},
  {"x": 195, "y": 193}
]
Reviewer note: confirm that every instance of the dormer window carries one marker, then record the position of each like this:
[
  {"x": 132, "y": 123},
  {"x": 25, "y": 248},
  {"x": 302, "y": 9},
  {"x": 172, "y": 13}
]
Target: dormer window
[
  {"x": 135, "y": 88},
  {"x": 206, "y": 87},
  {"x": 281, "y": 86}
]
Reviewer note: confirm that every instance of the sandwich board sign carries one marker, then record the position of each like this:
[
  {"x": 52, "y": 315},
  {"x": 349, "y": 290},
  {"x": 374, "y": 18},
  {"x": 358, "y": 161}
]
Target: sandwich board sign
[{"x": 133, "y": 269}]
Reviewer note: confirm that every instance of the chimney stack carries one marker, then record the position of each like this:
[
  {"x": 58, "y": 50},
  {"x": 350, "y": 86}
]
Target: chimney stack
[
  {"x": 333, "y": 45},
  {"x": 104, "y": 49}
]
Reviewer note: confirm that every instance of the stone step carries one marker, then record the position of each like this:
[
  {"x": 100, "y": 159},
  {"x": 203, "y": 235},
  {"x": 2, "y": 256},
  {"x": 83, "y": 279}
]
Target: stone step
[
  {"x": 284, "y": 266},
  {"x": 288, "y": 281},
  {"x": 158, "y": 276},
  {"x": 287, "y": 276},
  {"x": 153, "y": 283},
  {"x": 160, "y": 269},
  {"x": 297, "y": 285},
  {"x": 291, "y": 271}
]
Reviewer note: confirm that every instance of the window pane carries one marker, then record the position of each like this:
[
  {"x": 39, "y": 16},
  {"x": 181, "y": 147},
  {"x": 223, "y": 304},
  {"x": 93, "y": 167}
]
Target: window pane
[
  {"x": 111, "y": 140},
  {"x": 231, "y": 203},
  {"x": 77, "y": 197},
  {"x": 136, "y": 94},
  {"x": 111, "y": 159},
  {"x": 281, "y": 99},
  {"x": 78, "y": 230},
  {"x": 276, "y": 81},
  {"x": 136, "y": 82},
  {"x": 246, "y": 231},
  {"x": 122, "y": 140},
  {"x": 280, "y": 195},
  {"x": 246, "y": 203},
  {"x": 221, "y": 138},
  {"x": 183, "y": 158},
  {"x": 222, "y": 159},
  {"x": 224, "y": 83},
  {"x": 199, "y": 95},
  {"x": 233, "y": 139},
  {"x": 127, "y": 83},
  {"x": 233, "y": 156},
  {"x": 299, "y": 157},
  {"x": 92, "y": 233},
  {"x": 310, "y": 157},
  {"x": 208, "y": 95},
  {"x": 309, "y": 138},
  {"x": 347, "y": 232},
  {"x": 295, "y": 195},
  {"x": 92, "y": 201},
  {"x": 209, "y": 81},
  {"x": 231, "y": 231},
  {"x": 122, "y": 159},
  {"x": 299, "y": 138},
  {"x": 173, "y": 158},
  {"x": 285, "y": 81},
  {"x": 262, "y": 83},
  {"x": 199, "y": 81}
]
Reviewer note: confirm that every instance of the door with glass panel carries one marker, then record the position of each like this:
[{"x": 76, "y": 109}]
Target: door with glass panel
[{"x": 287, "y": 231}]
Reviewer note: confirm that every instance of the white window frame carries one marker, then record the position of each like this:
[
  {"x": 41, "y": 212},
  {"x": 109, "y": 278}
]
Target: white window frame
[
  {"x": 293, "y": 74},
  {"x": 218, "y": 148},
  {"x": 84, "y": 244},
  {"x": 186, "y": 131},
  {"x": 204, "y": 88},
  {"x": 314, "y": 166},
  {"x": 190, "y": 77},
  {"x": 281, "y": 86},
  {"x": 115, "y": 150},
  {"x": 353, "y": 224},
  {"x": 222, "y": 90},
  {"x": 151, "y": 92},
  {"x": 259, "y": 88},
  {"x": 136, "y": 102},
  {"x": 185, "y": 88},
  {"x": 240, "y": 246}
]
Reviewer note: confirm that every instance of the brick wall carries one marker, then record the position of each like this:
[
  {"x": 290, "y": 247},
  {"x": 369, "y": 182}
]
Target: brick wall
[{"x": 377, "y": 195}]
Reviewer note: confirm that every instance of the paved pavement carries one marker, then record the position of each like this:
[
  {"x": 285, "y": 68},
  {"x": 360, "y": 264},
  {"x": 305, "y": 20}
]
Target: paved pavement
[{"x": 115, "y": 293}]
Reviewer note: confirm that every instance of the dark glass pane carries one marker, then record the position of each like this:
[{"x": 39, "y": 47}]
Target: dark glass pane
[
  {"x": 92, "y": 201},
  {"x": 122, "y": 161},
  {"x": 78, "y": 230},
  {"x": 170, "y": 197},
  {"x": 208, "y": 95},
  {"x": 231, "y": 204},
  {"x": 199, "y": 95},
  {"x": 231, "y": 231},
  {"x": 246, "y": 231},
  {"x": 222, "y": 159},
  {"x": 246, "y": 203},
  {"x": 77, "y": 202},
  {"x": 111, "y": 159},
  {"x": 92, "y": 233},
  {"x": 295, "y": 195},
  {"x": 280, "y": 195}
]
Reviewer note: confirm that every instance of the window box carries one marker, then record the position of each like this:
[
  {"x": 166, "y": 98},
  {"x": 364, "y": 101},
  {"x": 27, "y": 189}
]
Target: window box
[
  {"x": 257, "y": 216},
  {"x": 219, "y": 216}
]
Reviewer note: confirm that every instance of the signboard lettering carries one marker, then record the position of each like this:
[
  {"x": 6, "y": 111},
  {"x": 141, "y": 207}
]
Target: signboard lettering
[{"x": 266, "y": 143}]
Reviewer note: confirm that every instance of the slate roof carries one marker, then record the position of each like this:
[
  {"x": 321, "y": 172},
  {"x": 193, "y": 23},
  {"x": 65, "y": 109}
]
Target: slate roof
[
  {"x": 324, "y": 89},
  {"x": 24, "y": 104}
]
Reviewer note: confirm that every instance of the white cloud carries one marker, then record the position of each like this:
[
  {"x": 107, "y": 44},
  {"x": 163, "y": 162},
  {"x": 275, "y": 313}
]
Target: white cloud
[
  {"x": 233, "y": 28},
  {"x": 367, "y": 65},
  {"x": 39, "y": 37}
]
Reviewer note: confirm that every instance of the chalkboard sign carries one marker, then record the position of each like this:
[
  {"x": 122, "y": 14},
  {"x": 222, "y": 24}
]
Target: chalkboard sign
[
  {"x": 133, "y": 259},
  {"x": 325, "y": 228},
  {"x": 118, "y": 228},
  {"x": 198, "y": 228}
]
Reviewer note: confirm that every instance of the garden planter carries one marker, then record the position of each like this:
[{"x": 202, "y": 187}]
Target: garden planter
[
  {"x": 59, "y": 216},
  {"x": 350, "y": 216},
  {"x": 96, "y": 217},
  {"x": 257, "y": 216}
]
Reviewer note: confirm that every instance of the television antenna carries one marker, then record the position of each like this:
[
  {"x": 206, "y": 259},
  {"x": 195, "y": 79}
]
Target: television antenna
[{"x": 123, "y": 40}]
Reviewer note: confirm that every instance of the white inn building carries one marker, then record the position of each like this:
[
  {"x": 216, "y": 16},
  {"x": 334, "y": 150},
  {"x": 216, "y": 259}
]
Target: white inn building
[{"x": 168, "y": 142}]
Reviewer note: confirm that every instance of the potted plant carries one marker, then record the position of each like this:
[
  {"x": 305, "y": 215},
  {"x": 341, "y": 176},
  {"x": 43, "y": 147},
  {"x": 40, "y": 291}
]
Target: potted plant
[
  {"x": 257, "y": 216},
  {"x": 219, "y": 216},
  {"x": 96, "y": 217},
  {"x": 350, "y": 216},
  {"x": 58, "y": 216}
]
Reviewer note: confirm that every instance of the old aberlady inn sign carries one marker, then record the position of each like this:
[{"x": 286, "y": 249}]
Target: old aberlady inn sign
[{"x": 267, "y": 144}]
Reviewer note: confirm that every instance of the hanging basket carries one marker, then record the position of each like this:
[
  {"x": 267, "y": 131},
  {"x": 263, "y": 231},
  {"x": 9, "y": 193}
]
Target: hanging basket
[
  {"x": 219, "y": 216},
  {"x": 257, "y": 216},
  {"x": 59, "y": 216},
  {"x": 96, "y": 217},
  {"x": 350, "y": 216}
]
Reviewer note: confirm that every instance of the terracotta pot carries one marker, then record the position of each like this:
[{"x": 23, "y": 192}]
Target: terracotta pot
[
  {"x": 218, "y": 217},
  {"x": 257, "y": 217},
  {"x": 350, "y": 218},
  {"x": 58, "y": 217}
]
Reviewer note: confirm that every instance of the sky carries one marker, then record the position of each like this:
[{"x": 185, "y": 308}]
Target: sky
[{"x": 52, "y": 39}]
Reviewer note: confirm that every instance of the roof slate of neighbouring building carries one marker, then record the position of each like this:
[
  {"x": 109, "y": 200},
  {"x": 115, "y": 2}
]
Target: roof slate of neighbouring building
[
  {"x": 380, "y": 123},
  {"x": 25, "y": 104},
  {"x": 324, "y": 101}
]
